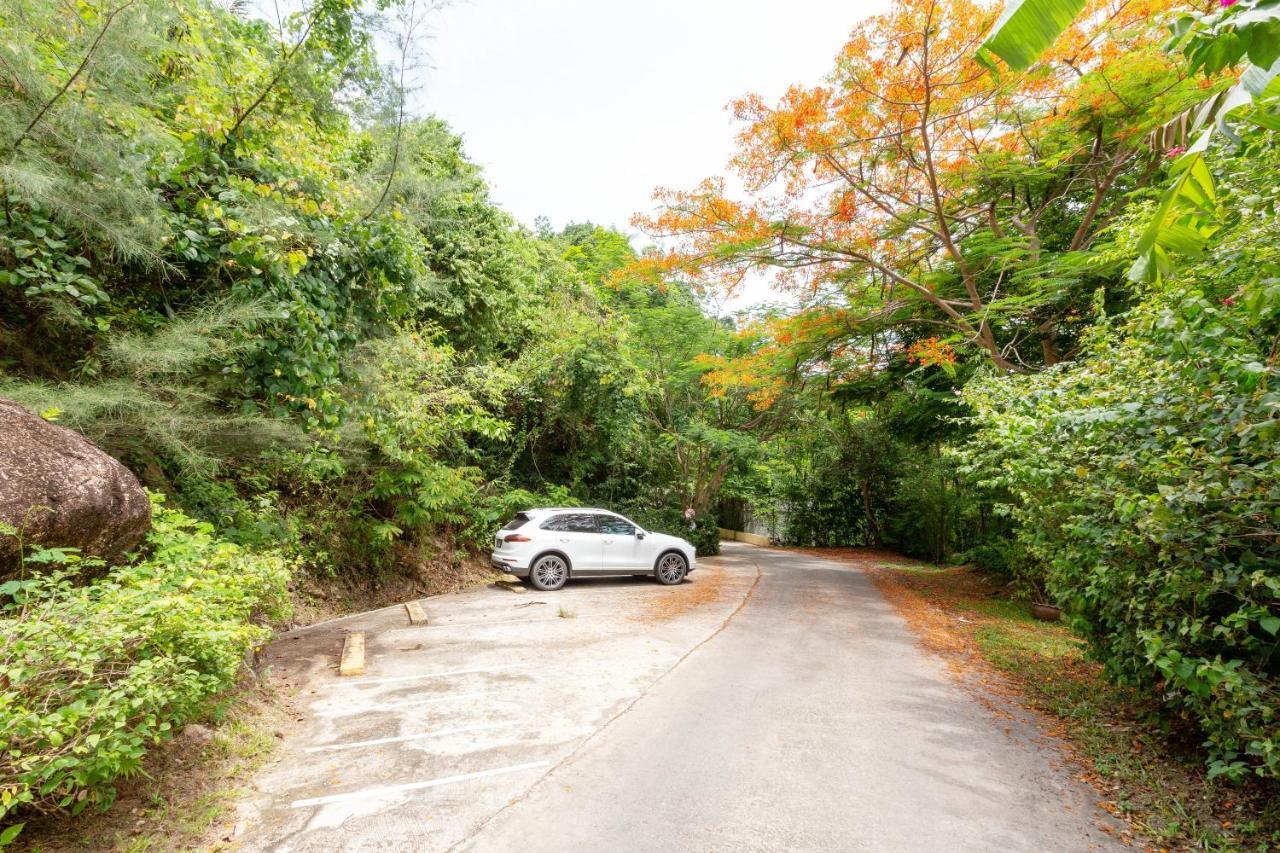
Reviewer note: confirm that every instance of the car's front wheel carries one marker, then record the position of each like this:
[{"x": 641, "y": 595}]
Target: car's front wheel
[
  {"x": 671, "y": 569},
  {"x": 549, "y": 573}
]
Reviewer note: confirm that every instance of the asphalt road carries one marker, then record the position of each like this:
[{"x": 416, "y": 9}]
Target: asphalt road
[{"x": 774, "y": 702}]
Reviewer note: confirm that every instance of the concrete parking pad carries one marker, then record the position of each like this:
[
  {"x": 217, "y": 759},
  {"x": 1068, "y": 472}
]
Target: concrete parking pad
[
  {"x": 773, "y": 702},
  {"x": 453, "y": 719}
]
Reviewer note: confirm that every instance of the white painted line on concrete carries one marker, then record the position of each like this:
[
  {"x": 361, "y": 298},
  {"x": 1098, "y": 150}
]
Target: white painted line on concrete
[
  {"x": 351, "y": 710},
  {"x": 389, "y": 790},
  {"x": 401, "y": 738},
  {"x": 432, "y": 674}
]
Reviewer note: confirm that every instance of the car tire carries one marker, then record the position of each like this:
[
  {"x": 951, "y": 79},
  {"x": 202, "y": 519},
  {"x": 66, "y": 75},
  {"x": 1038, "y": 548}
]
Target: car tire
[
  {"x": 549, "y": 572},
  {"x": 671, "y": 569}
]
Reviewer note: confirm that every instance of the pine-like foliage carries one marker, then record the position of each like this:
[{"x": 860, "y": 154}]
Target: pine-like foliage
[
  {"x": 78, "y": 130},
  {"x": 160, "y": 396}
]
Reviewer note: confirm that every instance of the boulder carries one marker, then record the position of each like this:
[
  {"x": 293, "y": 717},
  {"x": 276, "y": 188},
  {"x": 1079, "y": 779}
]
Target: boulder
[{"x": 60, "y": 490}]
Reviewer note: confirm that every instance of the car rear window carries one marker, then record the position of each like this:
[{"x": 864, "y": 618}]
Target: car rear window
[{"x": 520, "y": 520}]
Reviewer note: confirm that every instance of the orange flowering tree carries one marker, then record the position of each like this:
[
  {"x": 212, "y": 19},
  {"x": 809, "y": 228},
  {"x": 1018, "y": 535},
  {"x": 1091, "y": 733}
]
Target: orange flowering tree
[
  {"x": 916, "y": 186},
  {"x": 783, "y": 356}
]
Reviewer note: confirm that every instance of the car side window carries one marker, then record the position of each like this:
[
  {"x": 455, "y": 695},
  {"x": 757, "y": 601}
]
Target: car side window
[
  {"x": 614, "y": 526},
  {"x": 582, "y": 523},
  {"x": 578, "y": 522}
]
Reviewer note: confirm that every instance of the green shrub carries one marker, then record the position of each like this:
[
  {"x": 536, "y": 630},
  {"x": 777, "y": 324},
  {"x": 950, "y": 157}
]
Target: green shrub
[
  {"x": 1147, "y": 480},
  {"x": 425, "y": 412},
  {"x": 93, "y": 675},
  {"x": 930, "y": 511},
  {"x": 704, "y": 535},
  {"x": 826, "y": 512}
]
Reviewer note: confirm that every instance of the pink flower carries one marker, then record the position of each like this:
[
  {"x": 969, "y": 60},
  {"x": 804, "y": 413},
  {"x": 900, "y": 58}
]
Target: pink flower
[
  {"x": 1228, "y": 302},
  {"x": 1226, "y": 4},
  {"x": 1177, "y": 149}
]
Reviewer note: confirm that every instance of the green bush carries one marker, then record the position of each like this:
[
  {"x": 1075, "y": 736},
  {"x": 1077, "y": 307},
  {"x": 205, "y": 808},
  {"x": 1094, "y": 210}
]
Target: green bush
[
  {"x": 826, "y": 518},
  {"x": 928, "y": 509},
  {"x": 92, "y": 675},
  {"x": 704, "y": 535},
  {"x": 1146, "y": 480}
]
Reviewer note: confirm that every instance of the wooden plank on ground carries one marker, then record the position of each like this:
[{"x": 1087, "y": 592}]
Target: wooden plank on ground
[
  {"x": 417, "y": 615},
  {"x": 352, "y": 654}
]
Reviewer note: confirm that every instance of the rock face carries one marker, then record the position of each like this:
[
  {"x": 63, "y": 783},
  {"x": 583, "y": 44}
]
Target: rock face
[{"x": 62, "y": 491}]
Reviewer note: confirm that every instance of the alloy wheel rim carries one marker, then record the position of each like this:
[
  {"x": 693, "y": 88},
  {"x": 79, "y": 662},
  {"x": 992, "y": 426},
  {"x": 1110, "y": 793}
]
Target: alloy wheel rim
[
  {"x": 671, "y": 568},
  {"x": 550, "y": 571}
]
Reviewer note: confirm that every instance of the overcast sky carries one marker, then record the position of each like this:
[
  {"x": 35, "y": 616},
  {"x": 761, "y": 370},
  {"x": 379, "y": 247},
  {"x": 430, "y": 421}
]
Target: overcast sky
[{"x": 578, "y": 109}]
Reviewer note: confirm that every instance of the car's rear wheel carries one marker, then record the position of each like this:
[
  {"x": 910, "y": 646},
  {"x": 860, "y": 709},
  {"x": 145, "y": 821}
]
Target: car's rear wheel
[
  {"x": 671, "y": 569},
  {"x": 549, "y": 573}
]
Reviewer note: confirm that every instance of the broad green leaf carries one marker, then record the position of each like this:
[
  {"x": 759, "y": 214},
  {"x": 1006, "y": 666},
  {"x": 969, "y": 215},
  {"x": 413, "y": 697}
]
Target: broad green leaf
[
  {"x": 1270, "y": 121},
  {"x": 1259, "y": 30},
  {"x": 1258, "y": 88},
  {"x": 1027, "y": 29},
  {"x": 1178, "y": 130},
  {"x": 1183, "y": 222}
]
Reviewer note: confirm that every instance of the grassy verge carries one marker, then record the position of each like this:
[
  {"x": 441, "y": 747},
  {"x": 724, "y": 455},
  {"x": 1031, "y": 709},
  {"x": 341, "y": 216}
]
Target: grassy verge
[
  {"x": 184, "y": 797},
  {"x": 1148, "y": 774}
]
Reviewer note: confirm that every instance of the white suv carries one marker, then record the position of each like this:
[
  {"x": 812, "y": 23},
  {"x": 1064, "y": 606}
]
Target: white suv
[{"x": 548, "y": 546}]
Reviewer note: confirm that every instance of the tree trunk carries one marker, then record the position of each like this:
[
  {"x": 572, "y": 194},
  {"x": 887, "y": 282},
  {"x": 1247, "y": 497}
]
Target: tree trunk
[
  {"x": 871, "y": 516},
  {"x": 1048, "y": 342}
]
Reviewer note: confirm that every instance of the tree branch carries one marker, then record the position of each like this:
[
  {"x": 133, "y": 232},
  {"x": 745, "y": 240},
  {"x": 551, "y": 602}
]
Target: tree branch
[{"x": 75, "y": 75}]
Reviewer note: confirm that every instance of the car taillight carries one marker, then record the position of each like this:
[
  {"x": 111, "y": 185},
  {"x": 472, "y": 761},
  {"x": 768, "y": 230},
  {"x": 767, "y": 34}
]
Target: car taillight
[{"x": 516, "y": 537}]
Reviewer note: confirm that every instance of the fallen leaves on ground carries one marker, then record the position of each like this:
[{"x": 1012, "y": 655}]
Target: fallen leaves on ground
[{"x": 704, "y": 586}]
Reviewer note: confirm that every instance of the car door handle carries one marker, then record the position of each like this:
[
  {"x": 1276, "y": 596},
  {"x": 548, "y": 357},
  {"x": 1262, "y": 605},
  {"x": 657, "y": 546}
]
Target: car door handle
[
  {"x": 608, "y": 541},
  {"x": 564, "y": 540}
]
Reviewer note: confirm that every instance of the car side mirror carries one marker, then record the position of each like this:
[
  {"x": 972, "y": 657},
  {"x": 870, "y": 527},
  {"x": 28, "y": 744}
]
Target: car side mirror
[{"x": 640, "y": 534}]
